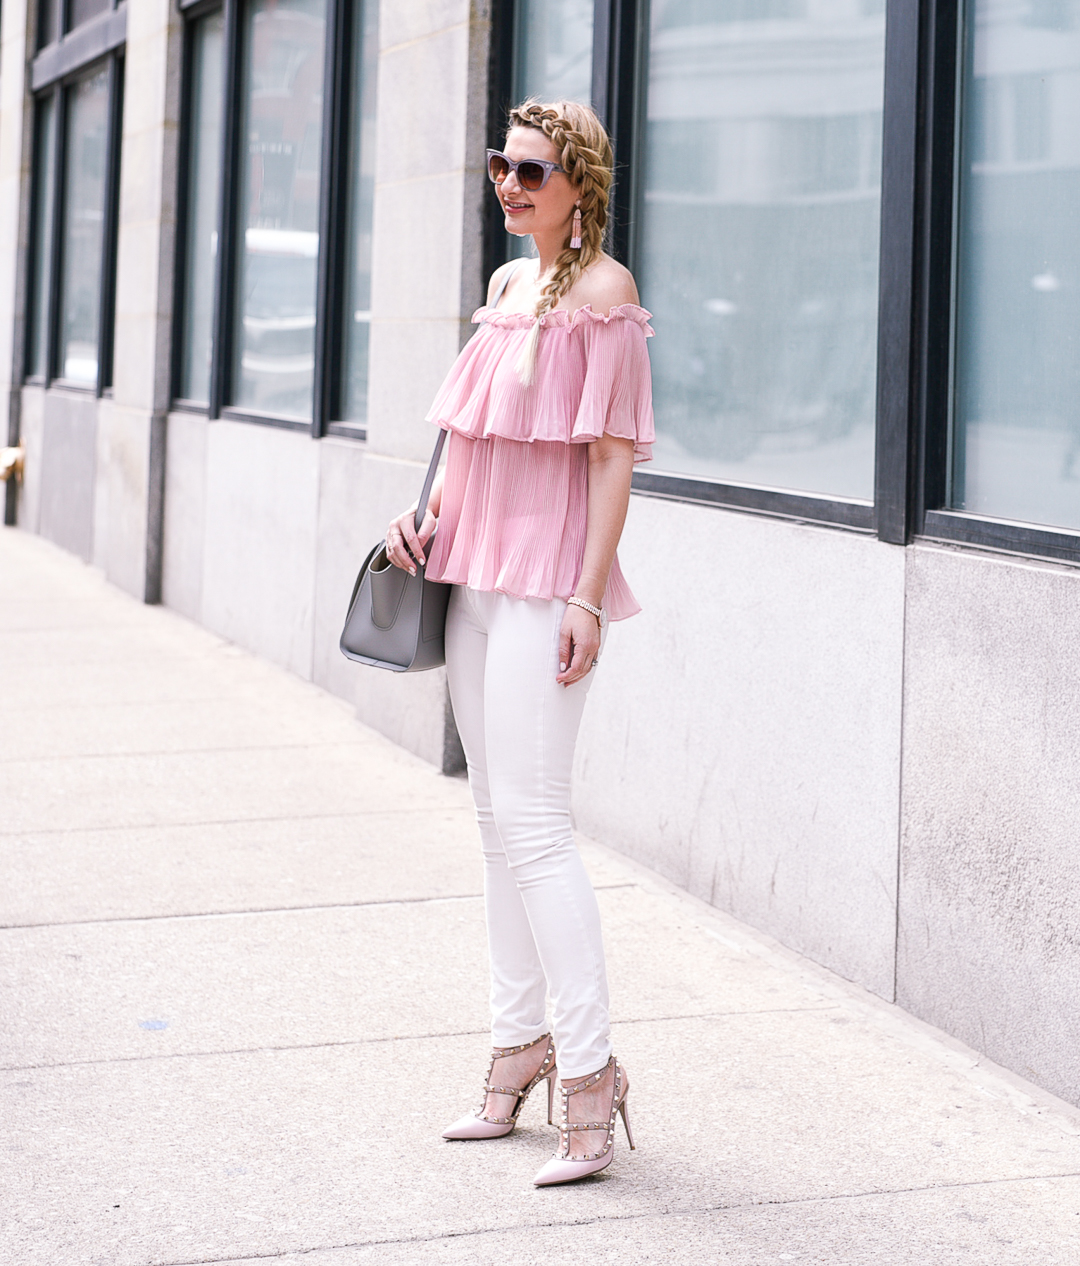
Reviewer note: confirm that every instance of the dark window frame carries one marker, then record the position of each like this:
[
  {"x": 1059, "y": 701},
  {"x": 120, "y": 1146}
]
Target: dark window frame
[
  {"x": 77, "y": 48},
  {"x": 192, "y": 11},
  {"x": 111, "y": 230},
  {"x": 948, "y": 26},
  {"x": 98, "y": 42},
  {"x": 500, "y": 69},
  {"x": 41, "y": 183},
  {"x": 332, "y": 281},
  {"x": 343, "y": 30}
]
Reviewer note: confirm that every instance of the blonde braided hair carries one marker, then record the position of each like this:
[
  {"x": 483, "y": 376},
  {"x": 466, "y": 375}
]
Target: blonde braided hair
[{"x": 584, "y": 150}]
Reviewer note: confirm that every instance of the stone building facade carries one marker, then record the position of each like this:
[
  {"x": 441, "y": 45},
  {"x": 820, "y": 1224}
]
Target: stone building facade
[{"x": 240, "y": 243}]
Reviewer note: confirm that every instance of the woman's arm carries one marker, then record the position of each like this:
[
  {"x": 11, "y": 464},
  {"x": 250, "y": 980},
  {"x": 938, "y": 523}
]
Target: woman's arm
[
  {"x": 611, "y": 463},
  {"x": 403, "y": 542}
]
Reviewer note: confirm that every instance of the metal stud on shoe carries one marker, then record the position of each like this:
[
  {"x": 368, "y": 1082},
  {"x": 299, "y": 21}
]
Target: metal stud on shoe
[
  {"x": 562, "y": 1167},
  {"x": 478, "y": 1126}
]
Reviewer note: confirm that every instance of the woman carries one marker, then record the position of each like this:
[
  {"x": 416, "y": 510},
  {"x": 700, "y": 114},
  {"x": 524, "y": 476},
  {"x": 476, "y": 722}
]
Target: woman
[{"x": 548, "y": 406}]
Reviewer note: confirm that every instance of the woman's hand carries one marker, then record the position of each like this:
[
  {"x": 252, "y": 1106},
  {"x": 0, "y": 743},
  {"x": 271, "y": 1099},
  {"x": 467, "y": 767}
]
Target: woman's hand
[
  {"x": 404, "y": 544},
  {"x": 579, "y": 645}
]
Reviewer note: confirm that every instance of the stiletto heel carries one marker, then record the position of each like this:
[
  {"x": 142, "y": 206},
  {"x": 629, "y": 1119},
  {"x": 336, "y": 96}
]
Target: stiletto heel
[
  {"x": 624, "y": 1112},
  {"x": 566, "y": 1168},
  {"x": 478, "y": 1126}
]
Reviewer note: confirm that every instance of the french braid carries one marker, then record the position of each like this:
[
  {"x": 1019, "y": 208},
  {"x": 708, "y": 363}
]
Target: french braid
[{"x": 584, "y": 151}]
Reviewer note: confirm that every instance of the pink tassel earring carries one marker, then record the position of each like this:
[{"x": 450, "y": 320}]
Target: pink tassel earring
[{"x": 575, "y": 231}]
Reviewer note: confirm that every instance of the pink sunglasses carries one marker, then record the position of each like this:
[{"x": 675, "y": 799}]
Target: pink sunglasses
[{"x": 532, "y": 173}]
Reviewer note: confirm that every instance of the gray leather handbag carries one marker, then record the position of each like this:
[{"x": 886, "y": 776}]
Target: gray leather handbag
[{"x": 395, "y": 620}]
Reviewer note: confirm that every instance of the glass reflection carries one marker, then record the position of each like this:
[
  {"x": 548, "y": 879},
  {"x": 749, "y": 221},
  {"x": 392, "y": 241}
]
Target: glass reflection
[
  {"x": 79, "y": 11},
  {"x": 280, "y": 205},
  {"x": 358, "y": 326},
  {"x": 37, "y": 365},
  {"x": 553, "y": 50},
  {"x": 48, "y": 11},
  {"x": 759, "y": 239},
  {"x": 1016, "y": 436},
  {"x": 204, "y": 160},
  {"x": 85, "y": 151}
]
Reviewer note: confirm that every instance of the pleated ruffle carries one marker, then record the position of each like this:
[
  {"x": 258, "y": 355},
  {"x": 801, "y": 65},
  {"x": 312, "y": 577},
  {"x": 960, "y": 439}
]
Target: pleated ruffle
[
  {"x": 513, "y": 521},
  {"x": 592, "y": 378}
]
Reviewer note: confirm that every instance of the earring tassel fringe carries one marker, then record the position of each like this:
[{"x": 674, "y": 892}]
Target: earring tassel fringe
[{"x": 575, "y": 231}]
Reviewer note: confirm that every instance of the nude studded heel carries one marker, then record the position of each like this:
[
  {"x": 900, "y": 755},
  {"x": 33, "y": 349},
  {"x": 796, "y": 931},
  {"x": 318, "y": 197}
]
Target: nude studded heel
[
  {"x": 478, "y": 1126},
  {"x": 566, "y": 1168}
]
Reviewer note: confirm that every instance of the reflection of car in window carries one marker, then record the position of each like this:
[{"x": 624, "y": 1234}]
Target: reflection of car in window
[{"x": 279, "y": 318}]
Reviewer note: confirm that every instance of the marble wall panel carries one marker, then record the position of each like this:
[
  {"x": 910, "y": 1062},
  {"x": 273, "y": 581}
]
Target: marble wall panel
[
  {"x": 989, "y": 944},
  {"x": 258, "y": 575},
  {"x": 358, "y": 494},
  {"x": 68, "y": 471},
  {"x": 184, "y": 527},
  {"x": 743, "y": 734}
]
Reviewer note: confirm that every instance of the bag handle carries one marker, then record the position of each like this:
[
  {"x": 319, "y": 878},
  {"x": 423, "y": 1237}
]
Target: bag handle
[
  {"x": 433, "y": 465},
  {"x": 425, "y": 496}
]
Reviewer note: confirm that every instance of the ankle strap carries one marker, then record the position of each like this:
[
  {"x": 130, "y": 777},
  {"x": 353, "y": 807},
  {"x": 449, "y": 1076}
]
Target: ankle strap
[
  {"x": 589, "y": 1081},
  {"x": 501, "y": 1052}
]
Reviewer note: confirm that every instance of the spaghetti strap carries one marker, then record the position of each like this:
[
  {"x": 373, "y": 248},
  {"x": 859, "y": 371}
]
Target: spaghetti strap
[{"x": 504, "y": 283}]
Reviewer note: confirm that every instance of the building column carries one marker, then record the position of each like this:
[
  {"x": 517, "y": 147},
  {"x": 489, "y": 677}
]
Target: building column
[
  {"x": 426, "y": 280},
  {"x": 131, "y": 433},
  {"x": 428, "y": 223}
]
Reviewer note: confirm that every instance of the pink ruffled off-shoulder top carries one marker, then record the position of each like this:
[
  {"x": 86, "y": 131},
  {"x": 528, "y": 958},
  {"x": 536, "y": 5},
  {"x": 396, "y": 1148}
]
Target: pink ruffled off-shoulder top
[{"x": 514, "y": 502}]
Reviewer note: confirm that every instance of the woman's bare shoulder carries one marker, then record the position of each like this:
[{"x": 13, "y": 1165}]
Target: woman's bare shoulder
[
  {"x": 605, "y": 285},
  {"x": 497, "y": 277}
]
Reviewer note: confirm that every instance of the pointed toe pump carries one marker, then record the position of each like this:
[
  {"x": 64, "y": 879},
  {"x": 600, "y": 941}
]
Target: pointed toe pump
[
  {"x": 566, "y": 1168},
  {"x": 479, "y": 1126}
]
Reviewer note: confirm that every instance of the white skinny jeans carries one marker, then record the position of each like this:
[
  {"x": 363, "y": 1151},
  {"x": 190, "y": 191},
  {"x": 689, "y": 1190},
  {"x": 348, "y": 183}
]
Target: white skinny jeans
[{"x": 518, "y": 727}]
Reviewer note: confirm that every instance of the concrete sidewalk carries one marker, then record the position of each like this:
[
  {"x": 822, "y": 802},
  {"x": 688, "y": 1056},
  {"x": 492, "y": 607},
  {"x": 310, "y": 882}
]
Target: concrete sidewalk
[{"x": 243, "y": 980}]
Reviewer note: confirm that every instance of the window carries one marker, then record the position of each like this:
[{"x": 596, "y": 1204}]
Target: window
[
  {"x": 552, "y": 60},
  {"x": 56, "y": 16},
  {"x": 554, "y": 50},
  {"x": 44, "y": 191},
  {"x": 86, "y": 128},
  {"x": 48, "y": 21},
  {"x": 79, "y": 11},
  {"x": 78, "y": 85},
  {"x": 203, "y": 190},
  {"x": 1015, "y": 434},
  {"x": 863, "y": 267},
  {"x": 278, "y": 224},
  {"x": 275, "y": 248},
  {"x": 762, "y": 146}
]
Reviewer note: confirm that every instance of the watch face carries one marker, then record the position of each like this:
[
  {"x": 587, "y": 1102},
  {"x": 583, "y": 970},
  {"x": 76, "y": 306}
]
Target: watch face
[{"x": 603, "y": 617}]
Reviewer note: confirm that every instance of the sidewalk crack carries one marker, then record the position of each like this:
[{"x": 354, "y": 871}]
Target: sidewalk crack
[
  {"x": 655, "y": 1214},
  {"x": 374, "y": 1041},
  {"x": 230, "y": 914}
]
